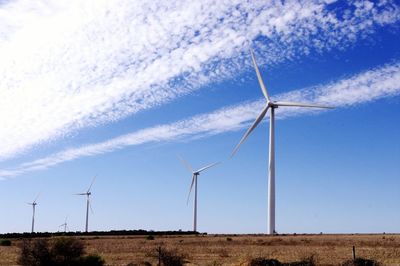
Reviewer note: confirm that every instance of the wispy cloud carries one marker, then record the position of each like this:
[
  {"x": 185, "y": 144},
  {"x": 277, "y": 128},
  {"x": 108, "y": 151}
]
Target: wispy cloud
[
  {"x": 362, "y": 88},
  {"x": 70, "y": 64}
]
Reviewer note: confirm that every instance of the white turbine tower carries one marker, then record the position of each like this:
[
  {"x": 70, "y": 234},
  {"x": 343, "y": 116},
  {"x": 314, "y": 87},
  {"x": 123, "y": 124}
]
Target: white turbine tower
[
  {"x": 272, "y": 105},
  {"x": 87, "y": 194},
  {"x": 34, "y": 203},
  {"x": 195, "y": 174}
]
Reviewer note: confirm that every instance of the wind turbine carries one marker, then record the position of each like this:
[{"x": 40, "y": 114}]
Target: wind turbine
[
  {"x": 195, "y": 174},
  {"x": 87, "y": 194},
  {"x": 64, "y": 225},
  {"x": 272, "y": 105},
  {"x": 34, "y": 203}
]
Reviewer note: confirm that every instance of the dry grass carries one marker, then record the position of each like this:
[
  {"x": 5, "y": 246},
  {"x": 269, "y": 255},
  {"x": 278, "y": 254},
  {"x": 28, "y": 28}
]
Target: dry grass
[{"x": 217, "y": 250}]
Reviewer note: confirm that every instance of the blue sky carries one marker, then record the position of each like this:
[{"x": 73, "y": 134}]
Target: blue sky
[{"x": 120, "y": 89}]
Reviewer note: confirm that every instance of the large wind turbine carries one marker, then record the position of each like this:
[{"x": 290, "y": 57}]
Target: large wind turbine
[
  {"x": 34, "y": 203},
  {"x": 87, "y": 194},
  {"x": 272, "y": 105},
  {"x": 195, "y": 174}
]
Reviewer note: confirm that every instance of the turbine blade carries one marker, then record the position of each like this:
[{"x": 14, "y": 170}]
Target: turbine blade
[
  {"x": 186, "y": 164},
  {"x": 91, "y": 184},
  {"x": 90, "y": 206},
  {"x": 206, "y": 167},
  {"x": 80, "y": 194},
  {"x": 295, "y": 104},
  {"x": 256, "y": 122},
  {"x": 260, "y": 80},
  {"x": 36, "y": 198},
  {"x": 190, "y": 190}
]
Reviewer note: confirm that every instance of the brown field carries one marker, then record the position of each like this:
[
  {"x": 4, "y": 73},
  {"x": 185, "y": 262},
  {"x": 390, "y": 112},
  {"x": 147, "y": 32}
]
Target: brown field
[{"x": 219, "y": 250}]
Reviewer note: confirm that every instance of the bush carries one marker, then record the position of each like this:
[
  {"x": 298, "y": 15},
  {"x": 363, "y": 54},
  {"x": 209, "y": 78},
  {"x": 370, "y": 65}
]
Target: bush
[
  {"x": 169, "y": 258},
  {"x": 360, "y": 262},
  {"x": 264, "y": 262},
  {"x": 310, "y": 261},
  {"x": 150, "y": 237},
  {"x": 144, "y": 263},
  {"x": 5, "y": 242},
  {"x": 92, "y": 260},
  {"x": 35, "y": 253},
  {"x": 66, "y": 251},
  {"x": 61, "y": 252}
]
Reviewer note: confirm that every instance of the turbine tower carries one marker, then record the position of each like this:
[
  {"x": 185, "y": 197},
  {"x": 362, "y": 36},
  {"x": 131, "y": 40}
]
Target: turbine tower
[
  {"x": 34, "y": 203},
  {"x": 272, "y": 105},
  {"x": 88, "y": 205},
  {"x": 195, "y": 174}
]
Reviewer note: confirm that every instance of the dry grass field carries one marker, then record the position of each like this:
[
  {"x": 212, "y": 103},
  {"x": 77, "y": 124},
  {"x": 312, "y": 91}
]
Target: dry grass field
[{"x": 235, "y": 250}]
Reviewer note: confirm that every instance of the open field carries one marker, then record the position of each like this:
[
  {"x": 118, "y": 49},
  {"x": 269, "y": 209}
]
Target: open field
[{"x": 236, "y": 249}]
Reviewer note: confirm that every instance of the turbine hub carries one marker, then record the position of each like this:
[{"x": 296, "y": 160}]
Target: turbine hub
[{"x": 271, "y": 104}]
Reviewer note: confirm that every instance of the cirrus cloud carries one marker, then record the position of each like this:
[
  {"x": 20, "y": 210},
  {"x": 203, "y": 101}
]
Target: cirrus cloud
[
  {"x": 66, "y": 65},
  {"x": 362, "y": 88}
]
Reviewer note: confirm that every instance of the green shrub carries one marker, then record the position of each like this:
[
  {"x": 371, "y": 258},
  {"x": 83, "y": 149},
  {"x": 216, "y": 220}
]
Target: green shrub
[
  {"x": 60, "y": 252},
  {"x": 264, "y": 262},
  {"x": 5, "y": 242},
  {"x": 66, "y": 251},
  {"x": 360, "y": 262},
  {"x": 92, "y": 260},
  {"x": 35, "y": 253},
  {"x": 150, "y": 237},
  {"x": 144, "y": 263},
  {"x": 309, "y": 261},
  {"x": 169, "y": 257}
]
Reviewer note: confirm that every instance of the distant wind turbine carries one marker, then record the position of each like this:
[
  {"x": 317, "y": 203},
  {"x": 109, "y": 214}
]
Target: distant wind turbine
[
  {"x": 88, "y": 205},
  {"x": 34, "y": 203},
  {"x": 64, "y": 225},
  {"x": 272, "y": 105},
  {"x": 195, "y": 174}
]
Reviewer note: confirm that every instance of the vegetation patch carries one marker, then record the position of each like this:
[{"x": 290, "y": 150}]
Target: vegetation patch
[
  {"x": 150, "y": 237},
  {"x": 60, "y": 252},
  {"x": 309, "y": 261},
  {"x": 264, "y": 262},
  {"x": 361, "y": 262},
  {"x": 169, "y": 257},
  {"x": 5, "y": 242}
]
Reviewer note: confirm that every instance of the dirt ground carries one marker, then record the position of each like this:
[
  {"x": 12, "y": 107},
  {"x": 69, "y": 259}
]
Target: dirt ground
[{"x": 235, "y": 249}]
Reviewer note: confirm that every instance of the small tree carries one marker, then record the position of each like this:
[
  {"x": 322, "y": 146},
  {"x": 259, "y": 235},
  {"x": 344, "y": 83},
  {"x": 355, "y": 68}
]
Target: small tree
[
  {"x": 67, "y": 251},
  {"x": 169, "y": 258},
  {"x": 35, "y": 253}
]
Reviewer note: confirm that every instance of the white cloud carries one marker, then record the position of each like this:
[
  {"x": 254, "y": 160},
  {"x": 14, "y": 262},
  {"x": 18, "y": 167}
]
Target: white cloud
[
  {"x": 362, "y": 88},
  {"x": 66, "y": 65}
]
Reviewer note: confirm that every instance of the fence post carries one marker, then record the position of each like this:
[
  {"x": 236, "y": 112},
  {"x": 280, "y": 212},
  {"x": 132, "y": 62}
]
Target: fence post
[
  {"x": 354, "y": 253},
  {"x": 159, "y": 255}
]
